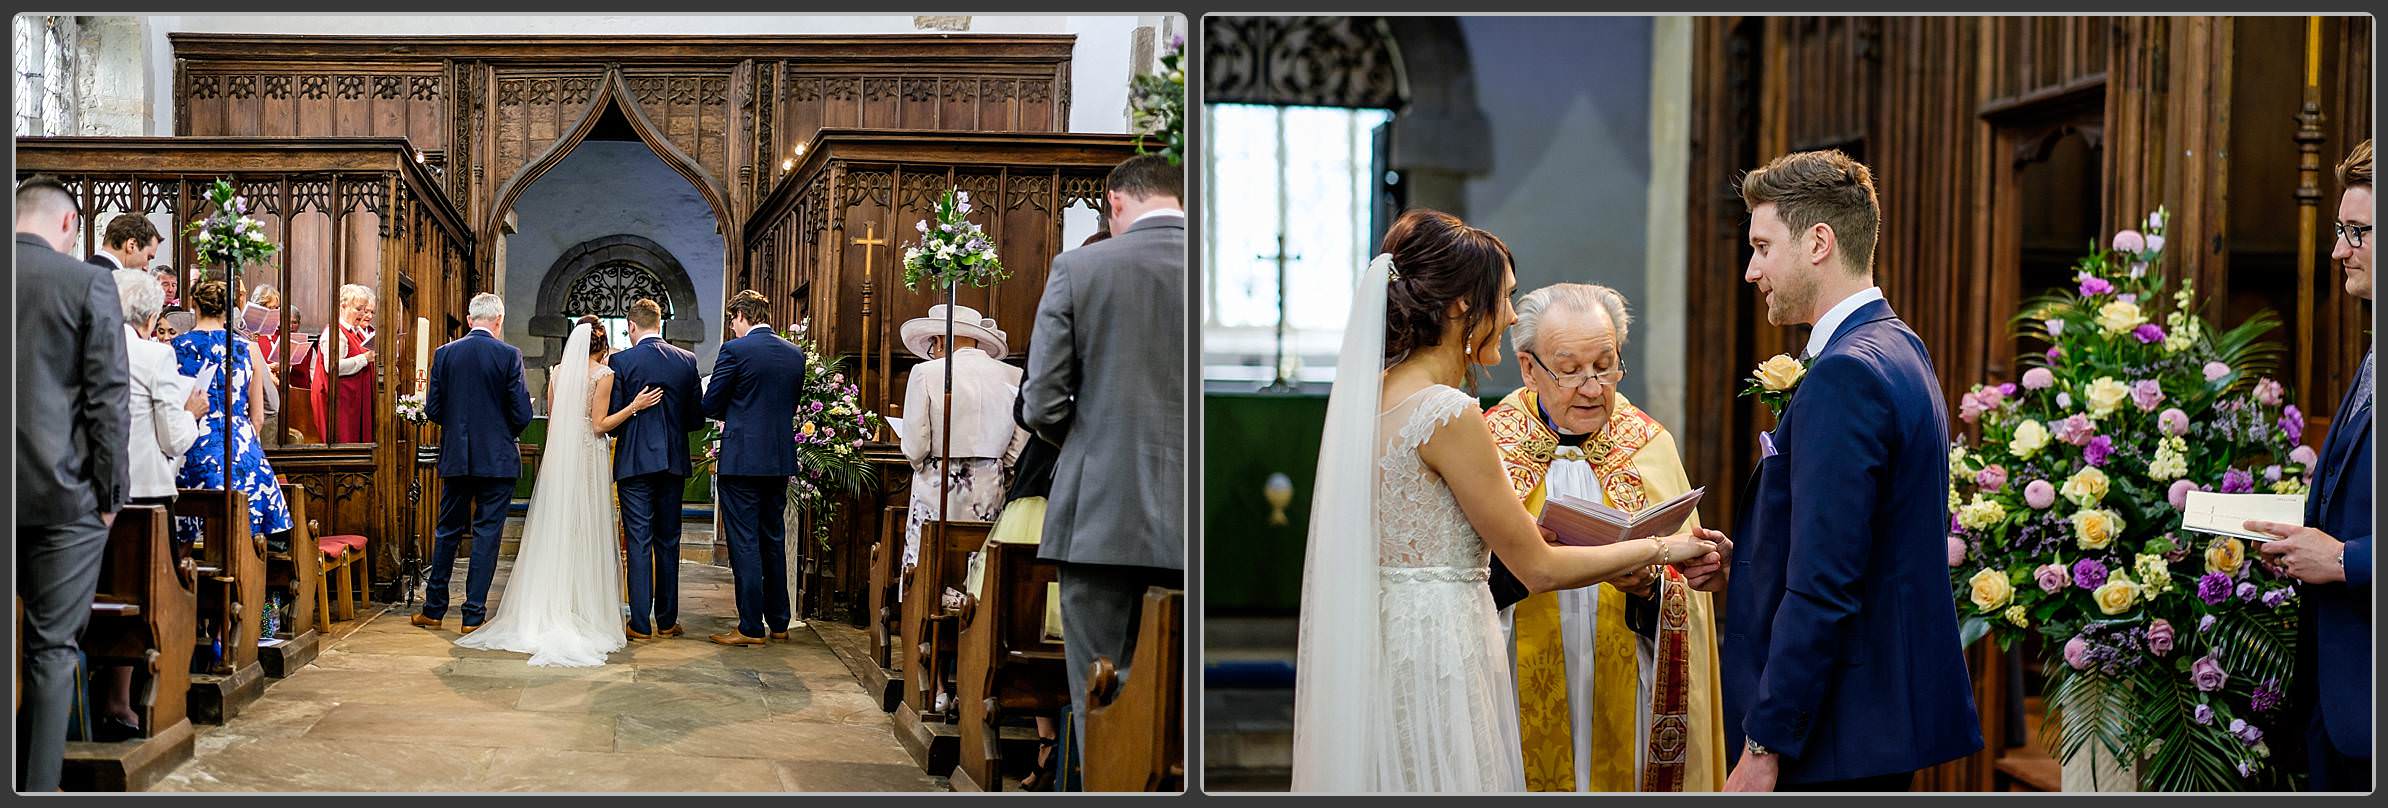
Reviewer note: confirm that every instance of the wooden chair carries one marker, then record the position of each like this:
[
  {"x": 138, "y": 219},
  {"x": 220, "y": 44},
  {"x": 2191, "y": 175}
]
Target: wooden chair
[
  {"x": 1008, "y": 668},
  {"x": 143, "y": 615},
  {"x": 231, "y": 582},
  {"x": 1134, "y": 729},
  {"x": 343, "y": 587}
]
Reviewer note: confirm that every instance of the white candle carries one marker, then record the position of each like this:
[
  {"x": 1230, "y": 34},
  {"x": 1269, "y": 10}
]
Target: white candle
[{"x": 422, "y": 348}]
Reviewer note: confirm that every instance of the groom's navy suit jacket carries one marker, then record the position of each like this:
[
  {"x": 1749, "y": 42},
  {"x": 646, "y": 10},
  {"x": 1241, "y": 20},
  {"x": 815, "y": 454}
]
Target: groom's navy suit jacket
[
  {"x": 2335, "y": 619},
  {"x": 1841, "y": 649},
  {"x": 477, "y": 397},
  {"x": 756, "y": 379},
  {"x": 655, "y": 441}
]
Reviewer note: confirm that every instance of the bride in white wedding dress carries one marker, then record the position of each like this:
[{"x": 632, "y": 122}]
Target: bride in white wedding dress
[
  {"x": 563, "y": 601},
  {"x": 1402, "y": 679}
]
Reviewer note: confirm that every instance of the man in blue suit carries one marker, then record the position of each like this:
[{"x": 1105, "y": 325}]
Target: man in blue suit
[
  {"x": 2331, "y": 553},
  {"x": 757, "y": 378},
  {"x": 651, "y": 467},
  {"x": 478, "y": 398},
  {"x": 1841, "y": 664}
]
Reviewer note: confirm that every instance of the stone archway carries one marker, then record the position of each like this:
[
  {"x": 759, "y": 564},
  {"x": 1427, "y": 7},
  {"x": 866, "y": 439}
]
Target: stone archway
[{"x": 602, "y": 276}]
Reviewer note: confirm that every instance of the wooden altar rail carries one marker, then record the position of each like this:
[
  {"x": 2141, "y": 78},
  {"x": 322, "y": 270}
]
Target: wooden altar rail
[{"x": 384, "y": 223}]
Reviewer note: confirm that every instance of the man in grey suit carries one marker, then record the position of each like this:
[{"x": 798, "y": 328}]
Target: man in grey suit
[
  {"x": 73, "y": 469},
  {"x": 1106, "y": 381}
]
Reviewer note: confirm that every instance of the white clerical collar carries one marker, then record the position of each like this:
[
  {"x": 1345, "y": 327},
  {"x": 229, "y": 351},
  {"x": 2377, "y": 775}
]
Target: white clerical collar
[
  {"x": 1833, "y": 318},
  {"x": 1158, "y": 212}
]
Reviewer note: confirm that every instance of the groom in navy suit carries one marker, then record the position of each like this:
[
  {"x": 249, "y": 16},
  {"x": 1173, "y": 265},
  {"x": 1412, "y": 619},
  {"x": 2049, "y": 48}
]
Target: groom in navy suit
[
  {"x": 756, "y": 381},
  {"x": 477, "y": 397},
  {"x": 1841, "y": 664},
  {"x": 651, "y": 467}
]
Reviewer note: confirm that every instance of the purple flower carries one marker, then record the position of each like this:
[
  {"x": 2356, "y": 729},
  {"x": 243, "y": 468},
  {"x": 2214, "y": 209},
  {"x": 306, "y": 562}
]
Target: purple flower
[
  {"x": 2236, "y": 481},
  {"x": 2213, "y": 588},
  {"x": 2277, "y": 597},
  {"x": 2039, "y": 494},
  {"x": 2147, "y": 394},
  {"x": 2091, "y": 286},
  {"x": 2247, "y": 732},
  {"x": 2053, "y": 578},
  {"x": 2130, "y": 241},
  {"x": 2205, "y": 624},
  {"x": 2075, "y": 430},
  {"x": 2054, "y": 352},
  {"x": 1956, "y": 552},
  {"x": 2127, "y": 298},
  {"x": 1178, "y": 41},
  {"x": 2089, "y": 573},
  {"x": 2292, "y": 424},
  {"x": 2216, "y": 370},
  {"x": 2246, "y": 769},
  {"x": 2155, "y": 243},
  {"x": 2202, "y": 714},
  {"x": 2246, "y": 590},
  {"x": 2178, "y": 495},
  {"x": 2160, "y": 637},
  {"x": 2148, "y": 333},
  {"x": 2173, "y": 422},
  {"x": 2268, "y": 392},
  {"x": 2077, "y": 652},
  {"x": 1991, "y": 478},
  {"x": 922, "y": 226},
  {"x": 2100, "y": 449},
  {"x": 2272, "y": 473},
  {"x": 2267, "y": 696},
  {"x": 2038, "y": 379},
  {"x": 2006, "y": 390},
  {"x": 2207, "y": 674}
]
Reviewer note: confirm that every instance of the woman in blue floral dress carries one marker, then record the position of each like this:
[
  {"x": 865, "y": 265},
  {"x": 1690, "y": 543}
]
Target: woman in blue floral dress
[{"x": 203, "y": 465}]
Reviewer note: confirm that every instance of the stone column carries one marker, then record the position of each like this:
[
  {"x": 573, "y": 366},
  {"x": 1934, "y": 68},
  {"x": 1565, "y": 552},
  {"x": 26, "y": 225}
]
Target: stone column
[
  {"x": 1662, "y": 329},
  {"x": 112, "y": 77}
]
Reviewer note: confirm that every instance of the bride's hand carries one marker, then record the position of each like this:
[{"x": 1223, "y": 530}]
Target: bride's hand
[
  {"x": 646, "y": 398},
  {"x": 1678, "y": 549}
]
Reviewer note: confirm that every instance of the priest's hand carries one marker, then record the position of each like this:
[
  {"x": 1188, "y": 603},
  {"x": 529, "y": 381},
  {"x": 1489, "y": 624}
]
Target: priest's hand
[
  {"x": 1636, "y": 582},
  {"x": 1756, "y": 772},
  {"x": 1708, "y": 573},
  {"x": 2304, "y": 553}
]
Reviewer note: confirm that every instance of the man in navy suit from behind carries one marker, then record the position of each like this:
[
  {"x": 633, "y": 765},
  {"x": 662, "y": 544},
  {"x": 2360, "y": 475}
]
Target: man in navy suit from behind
[
  {"x": 1841, "y": 664},
  {"x": 2330, "y": 555},
  {"x": 651, "y": 467},
  {"x": 756, "y": 381},
  {"x": 477, "y": 397}
]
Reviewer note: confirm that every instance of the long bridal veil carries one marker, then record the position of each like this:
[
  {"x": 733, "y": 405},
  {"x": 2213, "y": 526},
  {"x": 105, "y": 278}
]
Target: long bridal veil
[
  {"x": 1339, "y": 688},
  {"x": 562, "y": 603}
]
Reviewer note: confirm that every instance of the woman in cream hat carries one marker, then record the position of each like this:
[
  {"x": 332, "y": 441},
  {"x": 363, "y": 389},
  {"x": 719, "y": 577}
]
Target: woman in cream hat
[{"x": 984, "y": 440}]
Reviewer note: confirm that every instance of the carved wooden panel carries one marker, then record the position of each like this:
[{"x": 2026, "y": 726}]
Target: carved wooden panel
[
  {"x": 408, "y": 100},
  {"x": 692, "y": 110},
  {"x": 532, "y": 109},
  {"x": 984, "y": 98},
  {"x": 1315, "y": 61}
]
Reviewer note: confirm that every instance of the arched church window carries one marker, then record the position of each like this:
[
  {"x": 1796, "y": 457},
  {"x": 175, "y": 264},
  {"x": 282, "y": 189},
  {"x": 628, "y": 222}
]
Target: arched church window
[
  {"x": 44, "y": 83},
  {"x": 608, "y": 289}
]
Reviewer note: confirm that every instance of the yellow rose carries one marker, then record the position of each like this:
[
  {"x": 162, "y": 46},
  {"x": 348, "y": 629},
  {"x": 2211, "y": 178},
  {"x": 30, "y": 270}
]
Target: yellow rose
[
  {"x": 808, "y": 427},
  {"x": 2105, "y": 395},
  {"x": 1780, "y": 372},
  {"x": 2118, "y": 317},
  {"x": 2093, "y": 530},
  {"x": 2015, "y": 616},
  {"x": 2030, "y": 438},
  {"x": 2225, "y": 554},
  {"x": 2086, "y": 488},
  {"x": 1990, "y": 590},
  {"x": 2117, "y": 596}
]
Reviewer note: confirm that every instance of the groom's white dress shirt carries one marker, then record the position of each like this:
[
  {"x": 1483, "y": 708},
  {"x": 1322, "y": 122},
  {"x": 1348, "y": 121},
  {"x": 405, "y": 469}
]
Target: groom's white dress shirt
[{"x": 1839, "y": 313}]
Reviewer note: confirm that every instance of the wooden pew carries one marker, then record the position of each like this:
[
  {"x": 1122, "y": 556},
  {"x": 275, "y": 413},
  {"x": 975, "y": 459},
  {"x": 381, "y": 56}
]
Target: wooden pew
[
  {"x": 1008, "y": 669},
  {"x": 887, "y": 556},
  {"x": 1134, "y": 729},
  {"x": 231, "y": 577},
  {"x": 297, "y": 573},
  {"x": 928, "y": 643},
  {"x": 144, "y": 615}
]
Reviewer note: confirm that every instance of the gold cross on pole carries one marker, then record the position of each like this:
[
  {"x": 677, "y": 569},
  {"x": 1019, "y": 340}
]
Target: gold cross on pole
[{"x": 870, "y": 242}]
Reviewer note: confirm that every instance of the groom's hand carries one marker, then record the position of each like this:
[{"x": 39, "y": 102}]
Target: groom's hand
[
  {"x": 1708, "y": 573},
  {"x": 1755, "y": 773}
]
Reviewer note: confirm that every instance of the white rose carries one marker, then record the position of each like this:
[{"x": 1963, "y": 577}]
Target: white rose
[
  {"x": 2030, "y": 438},
  {"x": 2105, "y": 395}
]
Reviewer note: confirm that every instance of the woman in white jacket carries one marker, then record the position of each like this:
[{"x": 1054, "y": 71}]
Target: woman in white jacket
[{"x": 164, "y": 427}]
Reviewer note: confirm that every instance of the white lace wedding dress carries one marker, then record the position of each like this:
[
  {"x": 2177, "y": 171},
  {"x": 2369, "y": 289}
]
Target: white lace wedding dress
[
  {"x": 1451, "y": 712},
  {"x": 563, "y": 600}
]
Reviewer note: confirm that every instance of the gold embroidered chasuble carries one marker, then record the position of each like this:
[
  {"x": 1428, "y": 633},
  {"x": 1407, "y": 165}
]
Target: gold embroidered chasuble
[{"x": 1636, "y": 463}]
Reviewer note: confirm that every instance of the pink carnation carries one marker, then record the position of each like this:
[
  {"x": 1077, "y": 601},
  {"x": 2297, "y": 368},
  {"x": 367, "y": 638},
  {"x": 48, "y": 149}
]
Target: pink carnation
[
  {"x": 2269, "y": 392},
  {"x": 2038, "y": 379},
  {"x": 2173, "y": 421},
  {"x": 2216, "y": 370},
  {"x": 2130, "y": 241},
  {"x": 1956, "y": 552},
  {"x": 2039, "y": 494},
  {"x": 2075, "y": 430},
  {"x": 2077, "y": 653},
  {"x": 1970, "y": 407},
  {"x": 1991, "y": 478}
]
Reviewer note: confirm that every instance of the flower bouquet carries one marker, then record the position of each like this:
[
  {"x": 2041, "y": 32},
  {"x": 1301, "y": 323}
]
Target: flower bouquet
[
  {"x": 410, "y": 408},
  {"x": 2171, "y": 649},
  {"x": 228, "y": 237},
  {"x": 1157, "y": 102},
  {"x": 831, "y": 425},
  {"x": 952, "y": 248}
]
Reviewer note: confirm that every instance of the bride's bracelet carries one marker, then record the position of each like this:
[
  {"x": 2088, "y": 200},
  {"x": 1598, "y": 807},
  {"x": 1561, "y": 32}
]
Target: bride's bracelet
[{"x": 1662, "y": 550}]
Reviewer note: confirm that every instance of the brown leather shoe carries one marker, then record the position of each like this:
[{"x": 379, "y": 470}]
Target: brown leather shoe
[
  {"x": 779, "y": 635},
  {"x": 468, "y": 629},
  {"x": 673, "y": 631},
  {"x": 634, "y": 634},
  {"x": 422, "y": 622},
  {"x": 735, "y": 638}
]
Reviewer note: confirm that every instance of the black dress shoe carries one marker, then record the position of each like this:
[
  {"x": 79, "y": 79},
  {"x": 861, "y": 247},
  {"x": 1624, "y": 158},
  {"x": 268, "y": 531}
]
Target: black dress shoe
[{"x": 110, "y": 729}]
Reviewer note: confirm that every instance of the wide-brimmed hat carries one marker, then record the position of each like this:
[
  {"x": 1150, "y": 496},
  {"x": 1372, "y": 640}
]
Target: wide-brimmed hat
[{"x": 920, "y": 331}]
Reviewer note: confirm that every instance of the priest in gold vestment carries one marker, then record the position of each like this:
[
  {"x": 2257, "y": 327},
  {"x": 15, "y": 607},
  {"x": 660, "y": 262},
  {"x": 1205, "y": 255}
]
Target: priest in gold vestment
[{"x": 1616, "y": 682}]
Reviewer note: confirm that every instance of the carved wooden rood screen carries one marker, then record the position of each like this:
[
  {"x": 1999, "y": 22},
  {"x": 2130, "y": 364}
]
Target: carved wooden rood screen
[
  {"x": 801, "y": 252},
  {"x": 341, "y": 211}
]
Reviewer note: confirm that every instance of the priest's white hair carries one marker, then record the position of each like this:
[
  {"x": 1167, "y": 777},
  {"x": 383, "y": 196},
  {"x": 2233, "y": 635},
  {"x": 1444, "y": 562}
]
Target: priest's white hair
[{"x": 1581, "y": 298}]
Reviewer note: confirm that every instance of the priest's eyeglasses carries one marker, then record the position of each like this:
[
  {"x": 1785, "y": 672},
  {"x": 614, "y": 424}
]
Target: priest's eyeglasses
[
  {"x": 1608, "y": 377},
  {"x": 2353, "y": 233}
]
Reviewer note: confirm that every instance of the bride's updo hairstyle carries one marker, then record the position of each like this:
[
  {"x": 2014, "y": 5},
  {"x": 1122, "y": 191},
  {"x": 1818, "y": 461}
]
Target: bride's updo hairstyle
[
  {"x": 1438, "y": 259},
  {"x": 596, "y": 333}
]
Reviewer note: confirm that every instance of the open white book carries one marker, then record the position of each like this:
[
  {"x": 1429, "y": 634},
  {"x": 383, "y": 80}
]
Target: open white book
[
  {"x": 1584, "y": 523},
  {"x": 2228, "y": 514}
]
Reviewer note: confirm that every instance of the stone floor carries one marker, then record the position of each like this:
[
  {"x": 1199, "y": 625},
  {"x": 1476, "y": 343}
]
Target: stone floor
[{"x": 391, "y": 707}]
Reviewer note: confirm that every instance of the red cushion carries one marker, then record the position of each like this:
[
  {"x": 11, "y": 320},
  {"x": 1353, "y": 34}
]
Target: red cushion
[
  {"x": 331, "y": 547},
  {"x": 351, "y": 541}
]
